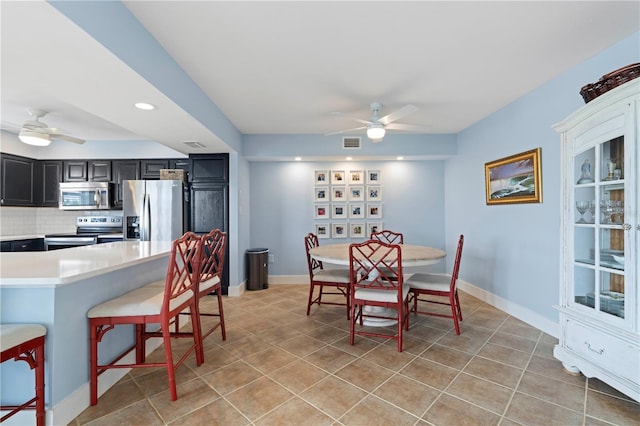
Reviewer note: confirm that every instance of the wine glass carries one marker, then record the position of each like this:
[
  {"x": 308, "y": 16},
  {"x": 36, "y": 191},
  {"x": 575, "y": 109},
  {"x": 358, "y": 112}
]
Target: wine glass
[
  {"x": 582, "y": 207},
  {"x": 606, "y": 207},
  {"x": 592, "y": 211},
  {"x": 618, "y": 210}
]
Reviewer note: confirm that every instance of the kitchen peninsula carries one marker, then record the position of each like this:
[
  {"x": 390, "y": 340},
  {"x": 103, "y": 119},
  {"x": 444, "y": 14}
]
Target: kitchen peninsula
[{"x": 56, "y": 289}]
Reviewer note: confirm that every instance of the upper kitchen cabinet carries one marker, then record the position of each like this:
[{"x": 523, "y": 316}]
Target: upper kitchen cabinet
[
  {"x": 182, "y": 164},
  {"x": 123, "y": 170},
  {"x": 19, "y": 178},
  {"x": 51, "y": 177},
  {"x": 150, "y": 169},
  {"x": 99, "y": 171},
  {"x": 83, "y": 171},
  {"x": 75, "y": 171},
  {"x": 210, "y": 168}
]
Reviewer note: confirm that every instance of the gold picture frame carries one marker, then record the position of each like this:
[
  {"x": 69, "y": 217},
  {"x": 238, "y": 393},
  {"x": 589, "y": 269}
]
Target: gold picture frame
[{"x": 514, "y": 179}]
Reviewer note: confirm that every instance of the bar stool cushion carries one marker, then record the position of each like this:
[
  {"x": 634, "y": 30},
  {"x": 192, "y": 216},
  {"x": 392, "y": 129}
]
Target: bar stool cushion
[
  {"x": 381, "y": 295},
  {"x": 209, "y": 284},
  {"x": 332, "y": 275},
  {"x": 145, "y": 300},
  {"x": 12, "y": 335}
]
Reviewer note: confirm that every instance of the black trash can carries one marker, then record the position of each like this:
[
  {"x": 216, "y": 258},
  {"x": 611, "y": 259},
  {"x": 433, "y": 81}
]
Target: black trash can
[{"x": 257, "y": 269}]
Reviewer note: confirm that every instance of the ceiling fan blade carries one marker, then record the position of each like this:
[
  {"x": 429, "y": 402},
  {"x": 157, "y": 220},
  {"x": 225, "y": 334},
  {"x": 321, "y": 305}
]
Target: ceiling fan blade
[
  {"x": 398, "y": 114},
  {"x": 359, "y": 120},
  {"x": 406, "y": 127},
  {"x": 66, "y": 138},
  {"x": 346, "y": 131}
]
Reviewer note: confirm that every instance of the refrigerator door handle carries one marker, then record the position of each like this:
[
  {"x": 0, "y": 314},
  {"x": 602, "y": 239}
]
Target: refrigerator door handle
[{"x": 145, "y": 220}]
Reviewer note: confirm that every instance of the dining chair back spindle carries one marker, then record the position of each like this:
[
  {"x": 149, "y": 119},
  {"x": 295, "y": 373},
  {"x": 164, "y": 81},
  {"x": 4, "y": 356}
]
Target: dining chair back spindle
[
  {"x": 377, "y": 283},
  {"x": 152, "y": 304},
  {"x": 336, "y": 280},
  {"x": 439, "y": 286}
]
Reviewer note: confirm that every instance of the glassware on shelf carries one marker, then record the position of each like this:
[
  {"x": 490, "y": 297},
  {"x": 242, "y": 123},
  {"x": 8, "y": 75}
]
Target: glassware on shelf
[
  {"x": 592, "y": 211},
  {"x": 582, "y": 207},
  {"x": 606, "y": 207},
  {"x": 618, "y": 210}
]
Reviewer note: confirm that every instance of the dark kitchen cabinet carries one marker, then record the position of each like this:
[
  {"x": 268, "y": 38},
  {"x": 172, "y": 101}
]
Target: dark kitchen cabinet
[
  {"x": 150, "y": 169},
  {"x": 210, "y": 168},
  {"x": 99, "y": 171},
  {"x": 182, "y": 164},
  {"x": 123, "y": 170},
  {"x": 19, "y": 181},
  {"x": 75, "y": 171},
  {"x": 35, "y": 244},
  {"x": 51, "y": 178}
]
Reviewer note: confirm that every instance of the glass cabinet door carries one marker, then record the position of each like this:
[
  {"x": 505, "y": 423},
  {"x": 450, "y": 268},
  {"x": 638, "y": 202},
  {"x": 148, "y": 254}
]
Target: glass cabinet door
[{"x": 598, "y": 230}]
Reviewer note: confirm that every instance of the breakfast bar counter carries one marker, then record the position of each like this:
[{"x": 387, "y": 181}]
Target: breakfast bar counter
[{"x": 56, "y": 289}]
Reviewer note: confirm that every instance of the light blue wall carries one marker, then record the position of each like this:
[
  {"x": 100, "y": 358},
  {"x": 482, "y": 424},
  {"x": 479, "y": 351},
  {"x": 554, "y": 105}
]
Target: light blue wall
[
  {"x": 512, "y": 251},
  {"x": 282, "y": 206}
]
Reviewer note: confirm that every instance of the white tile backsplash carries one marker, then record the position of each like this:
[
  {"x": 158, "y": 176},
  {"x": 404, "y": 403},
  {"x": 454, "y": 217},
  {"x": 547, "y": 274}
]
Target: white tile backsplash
[{"x": 36, "y": 220}]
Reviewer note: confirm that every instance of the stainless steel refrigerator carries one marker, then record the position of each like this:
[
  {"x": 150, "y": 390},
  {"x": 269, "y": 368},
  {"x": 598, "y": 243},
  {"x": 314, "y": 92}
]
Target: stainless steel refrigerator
[{"x": 154, "y": 210}]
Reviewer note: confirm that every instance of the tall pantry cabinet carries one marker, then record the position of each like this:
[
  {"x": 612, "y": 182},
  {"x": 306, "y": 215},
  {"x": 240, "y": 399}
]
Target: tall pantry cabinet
[{"x": 599, "y": 291}]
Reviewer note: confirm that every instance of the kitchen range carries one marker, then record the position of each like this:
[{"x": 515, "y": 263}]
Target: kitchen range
[{"x": 89, "y": 230}]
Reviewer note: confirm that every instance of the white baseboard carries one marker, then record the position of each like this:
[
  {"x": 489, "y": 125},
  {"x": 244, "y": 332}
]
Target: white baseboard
[{"x": 523, "y": 314}]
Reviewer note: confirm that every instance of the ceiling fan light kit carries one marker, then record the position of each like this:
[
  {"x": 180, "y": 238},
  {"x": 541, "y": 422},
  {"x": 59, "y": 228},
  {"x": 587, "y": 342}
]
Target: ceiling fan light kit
[
  {"x": 377, "y": 126},
  {"x": 33, "y": 138}
]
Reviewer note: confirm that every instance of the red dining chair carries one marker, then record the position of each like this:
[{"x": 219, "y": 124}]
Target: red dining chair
[
  {"x": 25, "y": 342},
  {"x": 336, "y": 279},
  {"x": 214, "y": 245},
  {"x": 388, "y": 236},
  {"x": 439, "y": 285},
  {"x": 375, "y": 269},
  {"x": 151, "y": 304}
]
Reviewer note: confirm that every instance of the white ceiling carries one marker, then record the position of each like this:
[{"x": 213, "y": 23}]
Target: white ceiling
[{"x": 284, "y": 67}]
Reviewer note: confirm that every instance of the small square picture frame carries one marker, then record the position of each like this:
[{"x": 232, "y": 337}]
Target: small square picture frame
[
  {"x": 322, "y": 193},
  {"x": 339, "y": 211},
  {"x": 339, "y": 230},
  {"x": 373, "y": 227},
  {"x": 374, "y": 177},
  {"x": 322, "y": 177},
  {"x": 374, "y": 211},
  {"x": 338, "y": 177},
  {"x": 357, "y": 230},
  {"x": 356, "y": 210},
  {"x": 322, "y": 211},
  {"x": 374, "y": 193},
  {"x": 356, "y": 177},
  {"x": 356, "y": 193},
  {"x": 323, "y": 230},
  {"x": 338, "y": 193}
]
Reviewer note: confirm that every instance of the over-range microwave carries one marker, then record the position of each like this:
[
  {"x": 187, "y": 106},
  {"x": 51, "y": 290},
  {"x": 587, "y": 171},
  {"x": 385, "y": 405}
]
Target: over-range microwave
[{"x": 86, "y": 195}]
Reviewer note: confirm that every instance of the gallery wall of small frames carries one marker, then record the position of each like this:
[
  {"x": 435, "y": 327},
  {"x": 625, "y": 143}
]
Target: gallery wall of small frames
[{"x": 347, "y": 203}]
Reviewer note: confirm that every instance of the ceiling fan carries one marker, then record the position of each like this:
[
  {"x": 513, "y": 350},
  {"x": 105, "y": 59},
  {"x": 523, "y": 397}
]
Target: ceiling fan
[
  {"x": 35, "y": 132},
  {"x": 377, "y": 126}
]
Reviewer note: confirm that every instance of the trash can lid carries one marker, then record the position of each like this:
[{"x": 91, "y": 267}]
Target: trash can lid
[{"x": 258, "y": 250}]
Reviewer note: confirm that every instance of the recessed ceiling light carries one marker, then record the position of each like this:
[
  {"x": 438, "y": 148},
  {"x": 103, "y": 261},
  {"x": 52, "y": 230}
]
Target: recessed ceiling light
[
  {"x": 349, "y": 158},
  {"x": 399, "y": 158},
  {"x": 298, "y": 158},
  {"x": 145, "y": 106}
]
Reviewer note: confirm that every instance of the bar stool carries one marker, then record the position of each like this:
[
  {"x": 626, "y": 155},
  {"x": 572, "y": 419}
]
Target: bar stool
[{"x": 25, "y": 342}]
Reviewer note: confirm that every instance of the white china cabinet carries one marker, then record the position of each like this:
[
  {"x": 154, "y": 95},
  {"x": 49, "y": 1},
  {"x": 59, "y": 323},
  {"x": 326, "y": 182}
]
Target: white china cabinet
[{"x": 599, "y": 294}]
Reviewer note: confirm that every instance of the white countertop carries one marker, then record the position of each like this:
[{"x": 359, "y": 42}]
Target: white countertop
[{"x": 61, "y": 267}]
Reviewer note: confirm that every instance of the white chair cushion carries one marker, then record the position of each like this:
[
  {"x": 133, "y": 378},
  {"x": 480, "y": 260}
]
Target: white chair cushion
[
  {"x": 209, "y": 284},
  {"x": 377, "y": 295},
  {"x": 14, "y": 334},
  {"x": 437, "y": 282},
  {"x": 332, "y": 275},
  {"x": 145, "y": 300}
]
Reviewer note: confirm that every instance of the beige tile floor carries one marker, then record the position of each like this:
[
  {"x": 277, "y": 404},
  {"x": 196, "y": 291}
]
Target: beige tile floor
[{"x": 280, "y": 367}]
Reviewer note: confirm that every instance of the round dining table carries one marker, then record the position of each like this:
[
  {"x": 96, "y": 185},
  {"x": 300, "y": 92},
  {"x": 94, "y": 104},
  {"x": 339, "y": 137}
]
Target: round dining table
[{"x": 412, "y": 255}]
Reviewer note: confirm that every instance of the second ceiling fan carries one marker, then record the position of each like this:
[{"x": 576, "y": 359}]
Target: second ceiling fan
[{"x": 377, "y": 126}]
